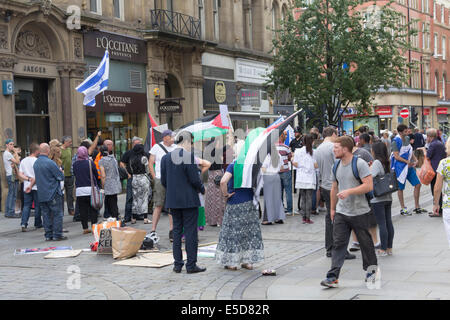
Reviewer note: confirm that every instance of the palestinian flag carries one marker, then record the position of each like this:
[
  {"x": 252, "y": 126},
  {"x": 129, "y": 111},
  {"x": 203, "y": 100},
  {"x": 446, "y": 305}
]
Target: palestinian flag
[
  {"x": 205, "y": 128},
  {"x": 258, "y": 144},
  {"x": 153, "y": 136}
]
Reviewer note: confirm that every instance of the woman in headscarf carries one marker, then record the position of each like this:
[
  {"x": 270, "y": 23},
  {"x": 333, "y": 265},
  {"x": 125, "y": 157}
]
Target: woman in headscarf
[
  {"x": 141, "y": 183},
  {"x": 83, "y": 169},
  {"x": 273, "y": 205}
]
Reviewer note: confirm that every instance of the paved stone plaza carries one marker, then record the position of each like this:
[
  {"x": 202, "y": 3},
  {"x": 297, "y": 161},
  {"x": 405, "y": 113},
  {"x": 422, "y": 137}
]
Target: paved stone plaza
[{"x": 417, "y": 270}]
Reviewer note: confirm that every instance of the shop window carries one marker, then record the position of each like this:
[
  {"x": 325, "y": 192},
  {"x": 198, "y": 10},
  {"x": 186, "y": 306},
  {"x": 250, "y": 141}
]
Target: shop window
[{"x": 135, "y": 79}]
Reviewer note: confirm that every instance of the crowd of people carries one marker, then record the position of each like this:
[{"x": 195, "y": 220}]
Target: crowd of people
[{"x": 328, "y": 172}]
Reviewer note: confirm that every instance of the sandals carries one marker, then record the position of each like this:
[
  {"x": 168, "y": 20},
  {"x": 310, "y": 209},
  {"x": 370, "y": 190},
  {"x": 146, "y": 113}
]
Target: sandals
[
  {"x": 230, "y": 268},
  {"x": 434, "y": 215},
  {"x": 87, "y": 231},
  {"x": 266, "y": 223},
  {"x": 146, "y": 221},
  {"x": 247, "y": 266},
  {"x": 133, "y": 221}
]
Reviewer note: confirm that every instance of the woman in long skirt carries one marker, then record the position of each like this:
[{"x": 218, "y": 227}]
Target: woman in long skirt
[
  {"x": 140, "y": 183},
  {"x": 240, "y": 239},
  {"x": 273, "y": 205}
]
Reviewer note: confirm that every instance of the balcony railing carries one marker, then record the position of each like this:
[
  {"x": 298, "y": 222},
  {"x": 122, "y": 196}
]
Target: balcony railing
[{"x": 175, "y": 22}]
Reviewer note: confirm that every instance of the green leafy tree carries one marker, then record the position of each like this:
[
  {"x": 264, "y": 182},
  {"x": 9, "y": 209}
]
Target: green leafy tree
[{"x": 335, "y": 56}]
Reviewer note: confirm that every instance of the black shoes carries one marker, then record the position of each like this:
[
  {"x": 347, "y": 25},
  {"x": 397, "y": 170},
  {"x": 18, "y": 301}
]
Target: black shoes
[
  {"x": 350, "y": 256},
  {"x": 197, "y": 269},
  {"x": 328, "y": 254},
  {"x": 171, "y": 235},
  {"x": 176, "y": 270},
  {"x": 60, "y": 239}
]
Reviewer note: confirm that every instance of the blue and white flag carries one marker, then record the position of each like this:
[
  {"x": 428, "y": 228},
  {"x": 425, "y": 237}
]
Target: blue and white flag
[
  {"x": 96, "y": 83},
  {"x": 290, "y": 135},
  {"x": 401, "y": 168}
]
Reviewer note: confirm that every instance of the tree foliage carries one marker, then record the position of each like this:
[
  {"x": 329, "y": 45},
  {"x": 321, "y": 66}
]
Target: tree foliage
[{"x": 333, "y": 56}]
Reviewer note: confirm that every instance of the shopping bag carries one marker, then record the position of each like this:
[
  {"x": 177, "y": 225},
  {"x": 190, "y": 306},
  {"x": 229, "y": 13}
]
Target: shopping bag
[
  {"x": 96, "y": 228},
  {"x": 426, "y": 173},
  {"x": 126, "y": 241}
]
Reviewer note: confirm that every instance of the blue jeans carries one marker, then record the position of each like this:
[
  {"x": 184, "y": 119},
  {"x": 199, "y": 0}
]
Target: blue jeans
[
  {"x": 129, "y": 201},
  {"x": 28, "y": 199},
  {"x": 382, "y": 212},
  {"x": 10, "y": 209},
  {"x": 53, "y": 217},
  {"x": 286, "y": 184}
]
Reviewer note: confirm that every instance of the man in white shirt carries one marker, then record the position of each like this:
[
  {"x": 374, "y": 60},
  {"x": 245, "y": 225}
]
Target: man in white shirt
[
  {"x": 26, "y": 174},
  {"x": 159, "y": 193},
  {"x": 8, "y": 160}
]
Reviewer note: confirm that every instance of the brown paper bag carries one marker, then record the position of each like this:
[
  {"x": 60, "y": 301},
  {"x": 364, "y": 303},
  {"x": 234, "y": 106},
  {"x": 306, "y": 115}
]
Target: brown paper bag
[{"x": 126, "y": 242}]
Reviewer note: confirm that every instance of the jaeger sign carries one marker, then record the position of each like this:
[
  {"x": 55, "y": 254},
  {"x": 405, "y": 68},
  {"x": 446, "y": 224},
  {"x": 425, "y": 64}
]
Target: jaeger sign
[{"x": 120, "y": 47}]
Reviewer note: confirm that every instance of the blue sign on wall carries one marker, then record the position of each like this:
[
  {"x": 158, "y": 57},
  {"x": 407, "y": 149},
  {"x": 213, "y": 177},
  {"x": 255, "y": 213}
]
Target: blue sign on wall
[{"x": 8, "y": 87}]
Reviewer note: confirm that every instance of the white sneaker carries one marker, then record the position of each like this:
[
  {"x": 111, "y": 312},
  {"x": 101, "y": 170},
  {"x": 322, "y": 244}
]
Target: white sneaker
[
  {"x": 154, "y": 236},
  {"x": 354, "y": 247}
]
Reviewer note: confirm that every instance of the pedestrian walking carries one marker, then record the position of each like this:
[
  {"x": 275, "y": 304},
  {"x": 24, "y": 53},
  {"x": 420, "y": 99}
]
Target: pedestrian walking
[
  {"x": 442, "y": 191},
  {"x": 381, "y": 206},
  {"x": 306, "y": 176},
  {"x": 66, "y": 158},
  {"x": 48, "y": 179},
  {"x": 240, "y": 239},
  {"x": 435, "y": 152},
  {"x": 110, "y": 179},
  {"x": 403, "y": 162},
  {"x": 83, "y": 170},
  {"x": 273, "y": 205},
  {"x": 349, "y": 210},
  {"x": 285, "y": 173},
  {"x": 141, "y": 184},
  {"x": 10, "y": 158},
  {"x": 387, "y": 141},
  {"x": 157, "y": 152},
  {"x": 26, "y": 174},
  {"x": 125, "y": 164},
  {"x": 179, "y": 172}
]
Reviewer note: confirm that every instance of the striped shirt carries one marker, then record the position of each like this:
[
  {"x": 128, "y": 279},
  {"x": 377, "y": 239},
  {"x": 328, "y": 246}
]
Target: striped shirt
[{"x": 286, "y": 155}]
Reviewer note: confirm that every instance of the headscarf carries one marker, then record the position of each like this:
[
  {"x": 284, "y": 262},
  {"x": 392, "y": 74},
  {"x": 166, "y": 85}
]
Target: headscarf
[{"x": 82, "y": 154}]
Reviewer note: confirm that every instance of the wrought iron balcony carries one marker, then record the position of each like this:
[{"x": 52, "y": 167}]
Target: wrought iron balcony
[{"x": 175, "y": 22}]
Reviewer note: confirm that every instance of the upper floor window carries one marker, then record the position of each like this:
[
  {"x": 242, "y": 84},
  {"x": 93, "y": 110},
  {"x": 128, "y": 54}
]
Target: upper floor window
[
  {"x": 436, "y": 44},
  {"x": 444, "y": 47},
  {"x": 119, "y": 9},
  {"x": 442, "y": 14},
  {"x": 201, "y": 17},
  {"x": 216, "y": 5},
  {"x": 443, "y": 87},
  {"x": 434, "y": 10},
  {"x": 96, "y": 6}
]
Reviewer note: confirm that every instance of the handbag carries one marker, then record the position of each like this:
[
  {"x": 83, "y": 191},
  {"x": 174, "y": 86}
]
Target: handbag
[
  {"x": 123, "y": 174},
  {"x": 217, "y": 179},
  {"x": 97, "y": 195},
  {"x": 385, "y": 184}
]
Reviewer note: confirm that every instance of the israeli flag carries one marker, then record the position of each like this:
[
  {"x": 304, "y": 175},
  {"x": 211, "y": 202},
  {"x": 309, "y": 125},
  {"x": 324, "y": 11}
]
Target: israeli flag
[
  {"x": 96, "y": 83},
  {"x": 290, "y": 135}
]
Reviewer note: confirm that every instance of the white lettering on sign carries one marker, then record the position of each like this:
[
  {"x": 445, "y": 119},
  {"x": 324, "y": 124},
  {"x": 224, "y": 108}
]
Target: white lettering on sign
[
  {"x": 118, "y": 48},
  {"x": 115, "y": 101},
  {"x": 34, "y": 69}
]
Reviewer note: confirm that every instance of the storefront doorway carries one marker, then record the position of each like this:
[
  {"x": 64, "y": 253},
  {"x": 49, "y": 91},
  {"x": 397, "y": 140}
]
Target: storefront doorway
[{"x": 31, "y": 106}]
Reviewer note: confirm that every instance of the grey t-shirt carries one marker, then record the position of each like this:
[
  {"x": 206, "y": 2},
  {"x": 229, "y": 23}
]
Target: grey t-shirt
[
  {"x": 354, "y": 205},
  {"x": 7, "y": 156},
  {"x": 377, "y": 169},
  {"x": 324, "y": 157},
  {"x": 112, "y": 180},
  {"x": 388, "y": 144},
  {"x": 363, "y": 154}
]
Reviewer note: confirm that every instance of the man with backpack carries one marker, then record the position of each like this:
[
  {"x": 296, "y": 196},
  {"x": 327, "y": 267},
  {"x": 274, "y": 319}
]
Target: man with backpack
[
  {"x": 350, "y": 210},
  {"x": 157, "y": 152}
]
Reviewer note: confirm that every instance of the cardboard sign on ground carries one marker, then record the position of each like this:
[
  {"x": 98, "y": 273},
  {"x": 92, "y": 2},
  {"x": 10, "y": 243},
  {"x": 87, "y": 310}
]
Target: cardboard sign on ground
[
  {"x": 19, "y": 252},
  {"x": 63, "y": 254},
  {"x": 105, "y": 242},
  {"x": 150, "y": 260}
]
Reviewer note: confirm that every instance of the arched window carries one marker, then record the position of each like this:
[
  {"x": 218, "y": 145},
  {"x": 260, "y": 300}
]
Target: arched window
[
  {"x": 275, "y": 18},
  {"x": 201, "y": 17},
  {"x": 216, "y": 19},
  {"x": 248, "y": 23},
  {"x": 436, "y": 83}
]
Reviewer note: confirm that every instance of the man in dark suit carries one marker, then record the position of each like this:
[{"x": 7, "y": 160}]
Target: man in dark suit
[{"x": 180, "y": 177}]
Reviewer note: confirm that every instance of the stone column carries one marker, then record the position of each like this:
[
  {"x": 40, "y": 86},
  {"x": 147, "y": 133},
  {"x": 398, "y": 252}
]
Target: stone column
[
  {"x": 66, "y": 102},
  {"x": 78, "y": 111},
  {"x": 7, "y": 118}
]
